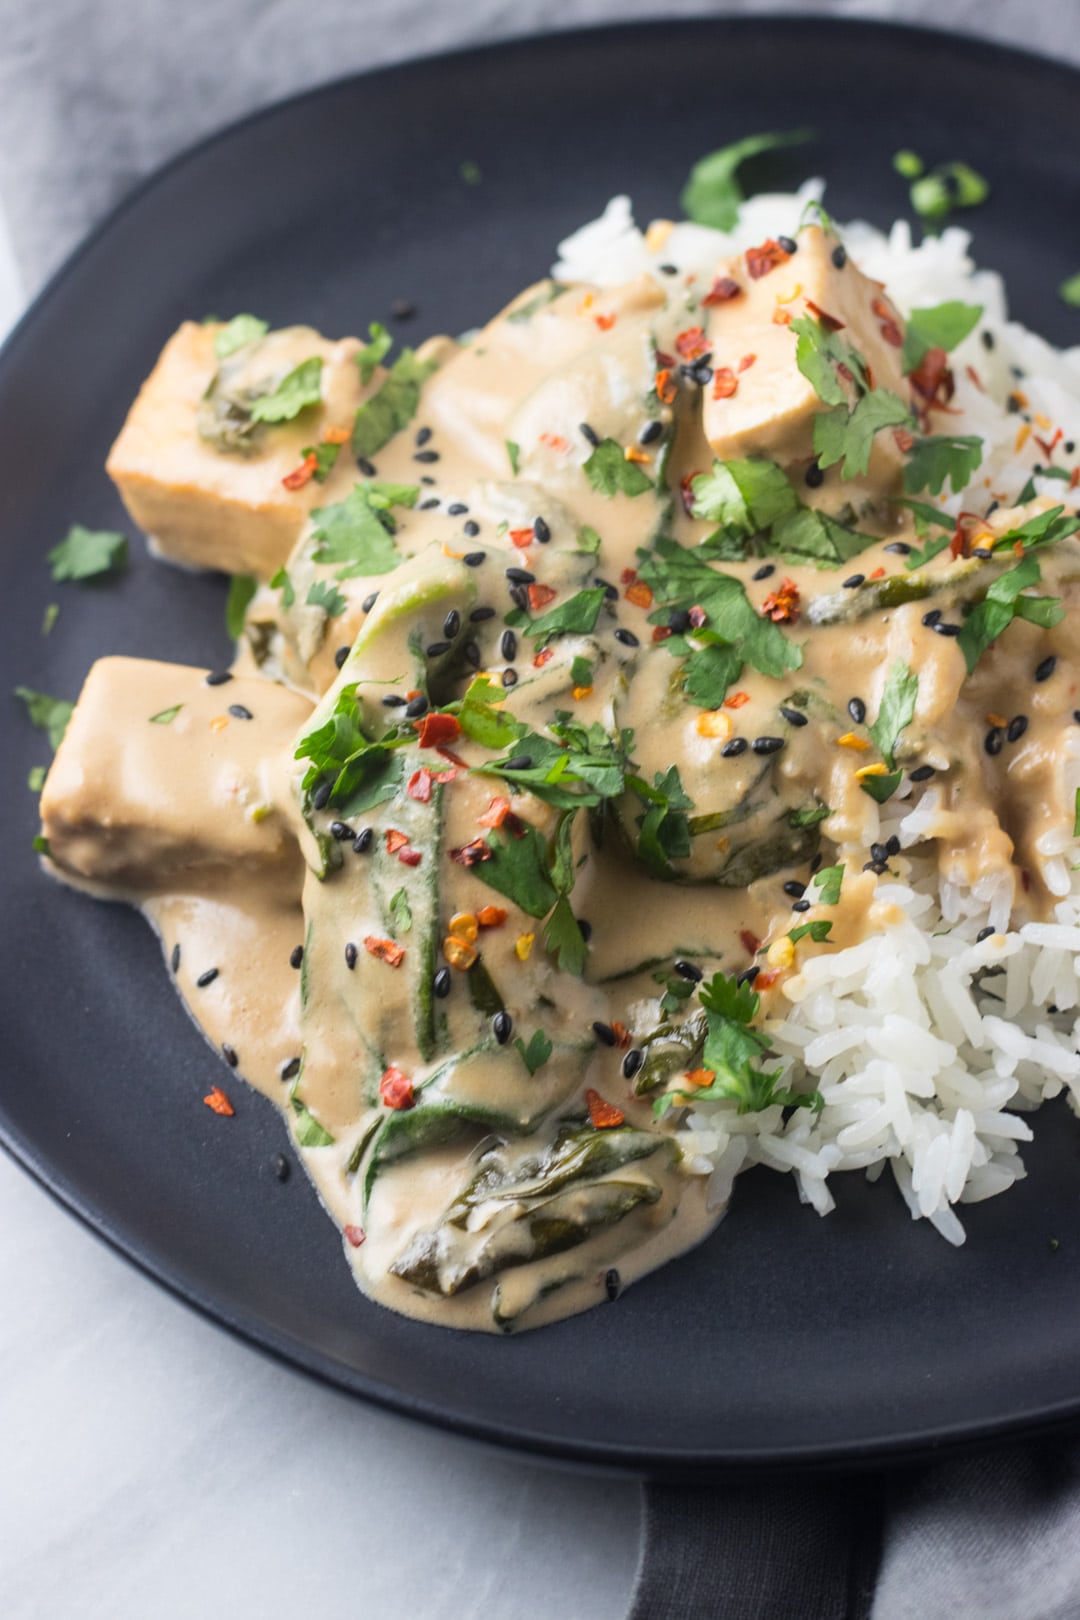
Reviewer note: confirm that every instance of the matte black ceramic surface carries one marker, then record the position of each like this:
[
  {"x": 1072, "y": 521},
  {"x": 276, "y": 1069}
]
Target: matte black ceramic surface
[{"x": 786, "y": 1337}]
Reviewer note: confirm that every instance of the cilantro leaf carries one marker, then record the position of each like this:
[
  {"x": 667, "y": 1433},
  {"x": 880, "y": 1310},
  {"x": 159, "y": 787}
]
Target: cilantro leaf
[
  {"x": 818, "y": 353},
  {"x": 882, "y": 787},
  {"x": 281, "y": 582},
  {"x": 941, "y": 327},
  {"x": 1002, "y": 603},
  {"x": 926, "y": 516},
  {"x": 481, "y": 716},
  {"x": 165, "y": 717},
  {"x": 86, "y": 553},
  {"x": 46, "y": 713},
  {"x": 400, "y": 913},
  {"x": 609, "y": 472},
  {"x": 896, "y": 710},
  {"x": 237, "y": 334},
  {"x": 581, "y": 671},
  {"x": 679, "y": 578},
  {"x": 513, "y": 452},
  {"x": 712, "y": 194},
  {"x": 709, "y": 672},
  {"x": 361, "y": 772},
  {"x": 564, "y": 939},
  {"x": 326, "y": 454},
  {"x": 942, "y": 458},
  {"x": 309, "y": 1133},
  {"x": 49, "y": 617},
  {"x": 242, "y": 588},
  {"x": 35, "y": 779},
  {"x": 374, "y": 353},
  {"x": 393, "y": 407},
  {"x": 664, "y": 831},
  {"x": 326, "y": 596},
  {"x": 576, "y": 616},
  {"x": 518, "y": 869},
  {"x": 356, "y": 534},
  {"x": 848, "y": 436},
  {"x": 745, "y": 496},
  {"x": 818, "y": 930},
  {"x": 827, "y": 884},
  {"x": 576, "y": 767},
  {"x": 536, "y": 1054},
  {"x": 812, "y": 533},
  {"x": 1044, "y": 529},
  {"x": 295, "y": 392},
  {"x": 810, "y": 816}
]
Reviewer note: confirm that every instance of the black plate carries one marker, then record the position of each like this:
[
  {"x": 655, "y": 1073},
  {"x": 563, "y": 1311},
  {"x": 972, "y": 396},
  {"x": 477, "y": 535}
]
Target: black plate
[{"x": 785, "y": 1338}]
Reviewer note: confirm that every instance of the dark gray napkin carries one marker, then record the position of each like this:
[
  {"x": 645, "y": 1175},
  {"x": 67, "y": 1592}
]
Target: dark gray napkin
[{"x": 92, "y": 98}]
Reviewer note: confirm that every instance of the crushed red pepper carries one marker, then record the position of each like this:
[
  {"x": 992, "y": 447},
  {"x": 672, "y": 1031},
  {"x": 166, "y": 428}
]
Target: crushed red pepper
[
  {"x": 725, "y": 383},
  {"x": 396, "y": 1089},
  {"x": 218, "y": 1103},
  {"x": 722, "y": 291},
  {"x": 604, "y": 1115},
  {"x": 435, "y": 730},
  {"x": 761, "y": 260},
  {"x": 303, "y": 474}
]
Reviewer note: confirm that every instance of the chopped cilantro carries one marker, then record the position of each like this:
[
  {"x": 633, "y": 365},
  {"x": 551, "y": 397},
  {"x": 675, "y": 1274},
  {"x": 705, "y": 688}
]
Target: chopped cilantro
[
  {"x": 40, "y": 844},
  {"x": 810, "y": 533},
  {"x": 308, "y": 1131},
  {"x": 46, "y": 713},
  {"x": 827, "y": 883},
  {"x": 709, "y": 672},
  {"x": 326, "y": 455},
  {"x": 49, "y": 617},
  {"x": 374, "y": 353},
  {"x": 1044, "y": 529},
  {"x": 1004, "y": 602},
  {"x": 237, "y": 334},
  {"x": 86, "y": 553},
  {"x": 242, "y": 588},
  {"x": 712, "y": 194},
  {"x": 896, "y": 710},
  {"x": 355, "y": 533},
  {"x": 848, "y": 436},
  {"x": 664, "y": 832},
  {"x": 818, "y": 353},
  {"x": 810, "y": 817},
  {"x": 295, "y": 392},
  {"x": 941, "y": 327},
  {"x": 581, "y": 671},
  {"x": 481, "y": 718},
  {"x": 817, "y": 931},
  {"x": 576, "y": 616},
  {"x": 519, "y": 869},
  {"x": 940, "y": 459},
  {"x": 609, "y": 472},
  {"x": 1069, "y": 291},
  {"x": 400, "y": 913},
  {"x": 281, "y": 582},
  {"x": 743, "y": 496},
  {"x": 165, "y": 717},
  {"x": 393, "y": 407},
  {"x": 361, "y": 773},
  {"x": 564, "y": 939},
  {"x": 882, "y": 787},
  {"x": 36, "y": 779},
  {"x": 536, "y": 1054},
  {"x": 326, "y": 596},
  {"x": 676, "y": 992},
  {"x": 513, "y": 452},
  {"x": 576, "y": 767}
]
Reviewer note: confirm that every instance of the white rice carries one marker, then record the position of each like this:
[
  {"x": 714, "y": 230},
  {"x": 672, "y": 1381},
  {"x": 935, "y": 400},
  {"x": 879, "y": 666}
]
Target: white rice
[{"x": 927, "y": 1044}]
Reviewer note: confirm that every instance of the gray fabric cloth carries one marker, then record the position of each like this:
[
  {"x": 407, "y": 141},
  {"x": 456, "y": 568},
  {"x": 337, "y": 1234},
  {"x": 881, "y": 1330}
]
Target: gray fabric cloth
[{"x": 93, "y": 98}]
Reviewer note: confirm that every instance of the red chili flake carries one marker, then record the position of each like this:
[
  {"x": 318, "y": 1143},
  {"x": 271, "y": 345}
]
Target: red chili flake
[
  {"x": 879, "y": 573},
  {"x": 782, "y": 606},
  {"x": 746, "y": 362},
  {"x": 385, "y": 950},
  {"x": 543, "y": 656},
  {"x": 410, "y": 857},
  {"x": 1047, "y": 445},
  {"x": 395, "y": 840},
  {"x": 1074, "y": 478},
  {"x": 354, "y": 1235},
  {"x": 932, "y": 378},
  {"x": 958, "y": 545},
  {"x": 604, "y": 1115},
  {"x": 661, "y": 632},
  {"x": 540, "y": 596},
  {"x": 725, "y": 383},
  {"x": 605, "y": 322},
  {"x": 845, "y": 371},
  {"x": 554, "y": 441},
  {"x": 472, "y": 853},
  {"x": 639, "y": 594},
  {"x": 722, "y": 291},
  {"x": 303, "y": 474},
  {"x": 687, "y": 492},
  {"x": 904, "y": 440},
  {"x": 1025, "y": 879},
  {"x": 442, "y": 777},
  {"x": 736, "y": 700},
  {"x": 769, "y": 256},
  {"x": 496, "y": 813},
  {"x": 665, "y": 388},
  {"x": 664, "y": 359},
  {"x": 217, "y": 1101},
  {"x": 420, "y": 785},
  {"x": 881, "y": 309},
  {"x": 491, "y": 916},
  {"x": 750, "y": 942},
  {"x": 628, "y": 576},
  {"x": 622, "y": 1035},
  {"x": 692, "y": 343},
  {"x": 975, "y": 378},
  {"x": 782, "y": 317},
  {"x": 765, "y": 981},
  {"x": 455, "y": 759},
  {"x": 338, "y": 435},
  {"x": 829, "y": 322},
  {"x": 522, "y": 538},
  {"x": 396, "y": 1089},
  {"x": 697, "y": 616},
  {"x": 887, "y": 323},
  {"x": 434, "y": 730}
]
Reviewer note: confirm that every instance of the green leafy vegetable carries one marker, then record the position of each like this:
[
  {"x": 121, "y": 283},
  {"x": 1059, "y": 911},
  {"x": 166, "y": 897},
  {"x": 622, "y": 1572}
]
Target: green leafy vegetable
[
  {"x": 744, "y": 496},
  {"x": 712, "y": 194},
  {"x": 372, "y": 355},
  {"x": 709, "y": 672},
  {"x": 819, "y": 352},
  {"x": 881, "y": 787},
  {"x": 393, "y": 407},
  {"x": 664, "y": 831},
  {"x": 848, "y": 436},
  {"x": 165, "y": 717},
  {"x": 481, "y": 716},
  {"x": 811, "y": 816},
  {"x": 361, "y": 773},
  {"x": 355, "y": 533},
  {"x": 949, "y": 186},
  {"x": 519, "y": 869},
  {"x": 588, "y": 540},
  {"x": 942, "y": 458},
  {"x": 87, "y": 553},
  {"x": 814, "y": 534},
  {"x": 536, "y": 1054},
  {"x": 47, "y": 714},
  {"x": 1004, "y": 602},
  {"x": 326, "y": 455},
  {"x": 400, "y": 913},
  {"x": 326, "y": 596},
  {"x": 513, "y": 452},
  {"x": 237, "y": 334},
  {"x": 564, "y": 939},
  {"x": 896, "y": 710},
  {"x": 49, "y": 617},
  {"x": 576, "y": 616},
  {"x": 1042, "y": 530},
  {"x": 242, "y": 588},
  {"x": 309, "y": 1133},
  {"x": 609, "y": 472},
  {"x": 581, "y": 671},
  {"x": 301, "y": 388},
  {"x": 281, "y": 582},
  {"x": 577, "y": 767},
  {"x": 941, "y": 327},
  {"x": 818, "y": 930},
  {"x": 827, "y": 884},
  {"x": 35, "y": 781}
]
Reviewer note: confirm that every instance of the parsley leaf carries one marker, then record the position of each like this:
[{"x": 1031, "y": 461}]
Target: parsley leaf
[
  {"x": 1001, "y": 604},
  {"x": 242, "y": 588},
  {"x": 896, "y": 710},
  {"x": 237, "y": 333},
  {"x": 576, "y": 616},
  {"x": 536, "y": 1054},
  {"x": 518, "y": 868},
  {"x": 609, "y": 472},
  {"x": 941, "y": 327},
  {"x": 817, "y": 930},
  {"x": 848, "y": 436},
  {"x": 374, "y": 353},
  {"x": 326, "y": 596},
  {"x": 86, "y": 553},
  {"x": 581, "y": 671},
  {"x": 294, "y": 393},
  {"x": 355, "y": 533},
  {"x": 588, "y": 540},
  {"x": 827, "y": 884},
  {"x": 712, "y": 194},
  {"x": 577, "y": 767},
  {"x": 941, "y": 458},
  {"x": 1044, "y": 529},
  {"x": 281, "y": 582},
  {"x": 47, "y": 714},
  {"x": 393, "y": 407}
]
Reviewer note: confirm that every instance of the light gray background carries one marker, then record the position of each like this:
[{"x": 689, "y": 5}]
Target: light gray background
[{"x": 151, "y": 1467}]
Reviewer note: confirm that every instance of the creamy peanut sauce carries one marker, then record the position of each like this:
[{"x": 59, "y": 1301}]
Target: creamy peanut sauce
[{"x": 478, "y": 1193}]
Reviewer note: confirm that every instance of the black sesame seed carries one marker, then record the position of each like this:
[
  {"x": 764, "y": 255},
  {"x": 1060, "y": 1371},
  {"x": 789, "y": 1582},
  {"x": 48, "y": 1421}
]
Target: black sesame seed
[
  {"x": 993, "y": 740},
  {"x": 1012, "y": 404},
  {"x": 508, "y": 646},
  {"x": 437, "y": 649},
  {"x": 471, "y": 528},
  {"x": 509, "y": 676},
  {"x": 429, "y": 504},
  {"x": 520, "y": 576},
  {"x": 587, "y": 433},
  {"x": 942, "y": 629},
  {"x": 857, "y": 710},
  {"x": 218, "y": 677},
  {"x": 627, "y": 637},
  {"x": 1076, "y": 716},
  {"x": 767, "y": 745},
  {"x": 984, "y": 933},
  {"x": 425, "y": 479},
  {"x": 426, "y": 456},
  {"x": 402, "y": 309},
  {"x": 451, "y": 624},
  {"x": 765, "y": 571},
  {"x": 456, "y": 509},
  {"x": 632, "y": 1062},
  {"x": 794, "y": 889},
  {"x": 604, "y": 1033},
  {"x": 612, "y": 1283},
  {"x": 737, "y": 745},
  {"x": 839, "y": 256},
  {"x": 393, "y": 700},
  {"x": 280, "y": 1166},
  {"x": 1044, "y": 670},
  {"x": 350, "y": 956},
  {"x": 422, "y": 436},
  {"x": 687, "y": 970},
  {"x": 788, "y": 243},
  {"x": 479, "y": 614},
  {"x": 987, "y": 339},
  {"x": 650, "y": 432},
  {"x": 207, "y": 978},
  {"x": 291, "y": 1068},
  {"x": 366, "y": 467},
  {"x": 794, "y": 717},
  {"x": 238, "y": 712},
  {"x": 229, "y": 1054},
  {"x": 520, "y": 762},
  {"x": 900, "y": 547},
  {"x": 369, "y": 601},
  {"x": 341, "y": 831},
  {"x": 520, "y": 597},
  {"x": 1069, "y": 446},
  {"x": 879, "y": 853},
  {"x": 816, "y": 862},
  {"x": 174, "y": 959},
  {"x": 678, "y": 621},
  {"x": 992, "y": 508},
  {"x": 340, "y": 656},
  {"x": 801, "y": 905},
  {"x": 472, "y": 653},
  {"x": 1016, "y": 727},
  {"x": 982, "y": 552},
  {"x": 362, "y": 841},
  {"x": 321, "y": 796},
  {"x": 541, "y": 532},
  {"x": 700, "y": 372},
  {"x": 501, "y": 1025},
  {"x": 296, "y": 956},
  {"x": 416, "y": 707},
  {"x": 748, "y": 975},
  {"x": 814, "y": 477},
  {"x": 874, "y": 866},
  {"x": 441, "y": 983},
  {"x": 609, "y": 590},
  {"x": 853, "y": 581},
  {"x": 922, "y": 773},
  {"x": 584, "y": 929},
  {"x": 668, "y": 269}
]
